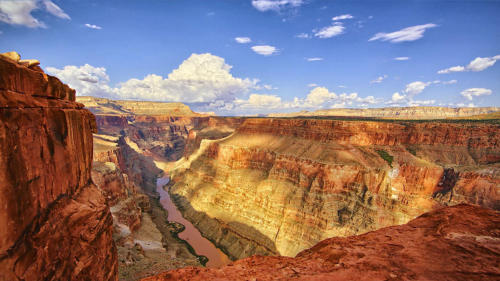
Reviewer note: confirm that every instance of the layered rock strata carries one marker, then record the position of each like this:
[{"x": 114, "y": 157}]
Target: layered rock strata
[
  {"x": 54, "y": 223},
  {"x": 452, "y": 243},
  {"x": 279, "y": 186},
  {"x": 412, "y": 113}
]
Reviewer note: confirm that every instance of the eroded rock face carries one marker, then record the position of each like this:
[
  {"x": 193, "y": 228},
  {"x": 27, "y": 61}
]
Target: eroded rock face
[
  {"x": 54, "y": 223},
  {"x": 453, "y": 243},
  {"x": 279, "y": 186}
]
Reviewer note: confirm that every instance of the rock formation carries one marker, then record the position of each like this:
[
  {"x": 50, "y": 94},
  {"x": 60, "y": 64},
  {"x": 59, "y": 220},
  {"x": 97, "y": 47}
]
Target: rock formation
[
  {"x": 452, "y": 243},
  {"x": 417, "y": 112},
  {"x": 279, "y": 186},
  {"x": 54, "y": 223}
]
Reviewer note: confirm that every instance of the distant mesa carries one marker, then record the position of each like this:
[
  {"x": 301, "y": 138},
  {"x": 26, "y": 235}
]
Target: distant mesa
[
  {"x": 122, "y": 107},
  {"x": 417, "y": 112}
]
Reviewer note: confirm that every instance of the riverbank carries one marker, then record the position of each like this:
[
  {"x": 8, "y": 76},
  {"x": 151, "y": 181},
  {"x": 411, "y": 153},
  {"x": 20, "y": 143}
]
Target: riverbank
[{"x": 190, "y": 234}]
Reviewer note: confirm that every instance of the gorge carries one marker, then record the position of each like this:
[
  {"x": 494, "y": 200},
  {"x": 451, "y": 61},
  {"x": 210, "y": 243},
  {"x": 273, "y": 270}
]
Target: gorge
[{"x": 312, "y": 198}]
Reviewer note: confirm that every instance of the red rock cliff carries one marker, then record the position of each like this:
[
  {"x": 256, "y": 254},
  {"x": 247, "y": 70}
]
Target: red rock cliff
[
  {"x": 279, "y": 186},
  {"x": 54, "y": 222},
  {"x": 453, "y": 243}
]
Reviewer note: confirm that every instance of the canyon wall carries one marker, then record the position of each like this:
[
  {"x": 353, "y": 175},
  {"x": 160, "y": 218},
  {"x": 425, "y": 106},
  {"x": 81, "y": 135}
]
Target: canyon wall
[
  {"x": 54, "y": 223},
  {"x": 279, "y": 186},
  {"x": 452, "y": 243},
  {"x": 144, "y": 238},
  {"x": 412, "y": 113}
]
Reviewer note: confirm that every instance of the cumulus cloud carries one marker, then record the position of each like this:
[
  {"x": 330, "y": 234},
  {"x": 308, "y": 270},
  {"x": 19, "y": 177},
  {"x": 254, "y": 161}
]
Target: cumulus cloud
[
  {"x": 264, "y": 50},
  {"x": 319, "y": 95},
  {"x": 335, "y": 29},
  {"x": 411, "y": 33},
  {"x": 415, "y": 88},
  {"x": 275, "y": 5},
  {"x": 92, "y": 26},
  {"x": 379, "y": 79},
  {"x": 258, "y": 101},
  {"x": 477, "y": 64},
  {"x": 243, "y": 40},
  {"x": 397, "y": 98},
  {"x": 86, "y": 80},
  {"x": 18, "y": 12},
  {"x": 342, "y": 17},
  {"x": 314, "y": 59},
  {"x": 401, "y": 58},
  {"x": 475, "y": 92},
  {"x": 202, "y": 78}
]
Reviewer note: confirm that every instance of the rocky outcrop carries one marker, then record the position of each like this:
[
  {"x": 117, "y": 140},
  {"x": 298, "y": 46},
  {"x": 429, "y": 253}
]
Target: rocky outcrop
[
  {"x": 279, "y": 186},
  {"x": 54, "y": 223},
  {"x": 417, "y": 112},
  {"x": 452, "y": 243}
]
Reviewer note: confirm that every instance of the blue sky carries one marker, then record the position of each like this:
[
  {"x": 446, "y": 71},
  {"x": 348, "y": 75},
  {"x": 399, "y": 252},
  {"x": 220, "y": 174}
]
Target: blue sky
[{"x": 260, "y": 56}]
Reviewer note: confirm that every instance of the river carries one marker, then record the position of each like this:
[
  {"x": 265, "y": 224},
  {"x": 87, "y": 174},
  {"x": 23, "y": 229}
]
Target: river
[{"x": 191, "y": 234}]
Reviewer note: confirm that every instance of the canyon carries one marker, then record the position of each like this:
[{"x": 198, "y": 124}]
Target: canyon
[{"x": 83, "y": 185}]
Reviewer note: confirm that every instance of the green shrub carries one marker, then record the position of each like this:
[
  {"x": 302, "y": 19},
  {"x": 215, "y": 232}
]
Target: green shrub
[{"x": 386, "y": 156}]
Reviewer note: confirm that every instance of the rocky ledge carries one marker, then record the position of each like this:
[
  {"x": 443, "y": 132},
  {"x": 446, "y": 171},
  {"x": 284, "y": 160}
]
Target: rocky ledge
[{"x": 453, "y": 243}]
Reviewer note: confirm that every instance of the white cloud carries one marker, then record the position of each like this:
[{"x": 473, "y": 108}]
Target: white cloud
[
  {"x": 457, "y": 68},
  {"x": 275, "y": 5},
  {"x": 480, "y": 64},
  {"x": 397, "y": 98},
  {"x": 477, "y": 64},
  {"x": 415, "y": 88},
  {"x": 379, "y": 79},
  {"x": 260, "y": 101},
  {"x": 55, "y": 10},
  {"x": 92, "y": 26},
  {"x": 265, "y": 50},
  {"x": 312, "y": 85},
  {"x": 86, "y": 80},
  {"x": 314, "y": 59},
  {"x": 475, "y": 92},
  {"x": 319, "y": 95},
  {"x": 303, "y": 36},
  {"x": 342, "y": 17},
  {"x": 18, "y": 12},
  {"x": 202, "y": 78},
  {"x": 411, "y": 33},
  {"x": 243, "y": 40},
  {"x": 401, "y": 58},
  {"x": 330, "y": 31}
]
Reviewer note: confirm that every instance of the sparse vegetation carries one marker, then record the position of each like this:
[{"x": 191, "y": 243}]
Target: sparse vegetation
[
  {"x": 412, "y": 150},
  {"x": 386, "y": 156}
]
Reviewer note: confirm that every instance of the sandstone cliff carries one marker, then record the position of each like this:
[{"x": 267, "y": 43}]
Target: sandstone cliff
[
  {"x": 279, "y": 186},
  {"x": 418, "y": 112},
  {"x": 54, "y": 223},
  {"x": 452, "y": 243}
]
